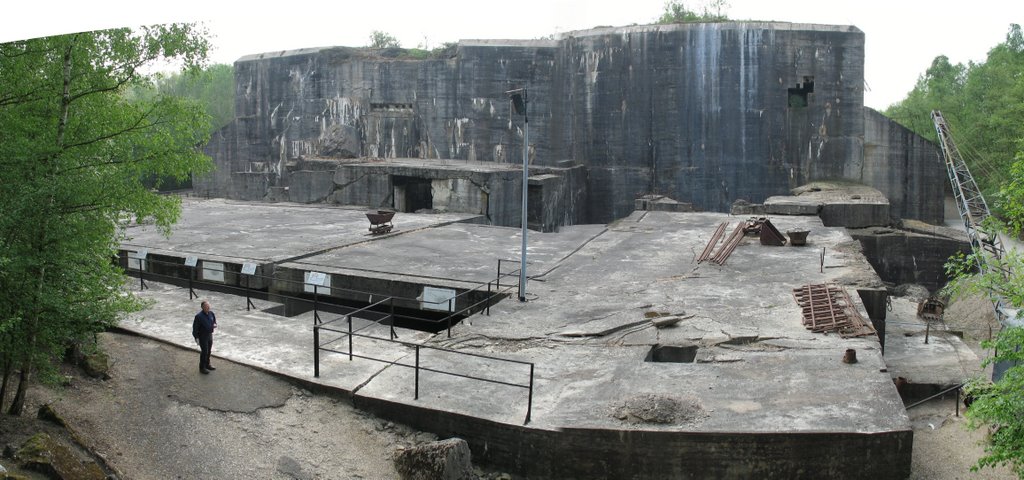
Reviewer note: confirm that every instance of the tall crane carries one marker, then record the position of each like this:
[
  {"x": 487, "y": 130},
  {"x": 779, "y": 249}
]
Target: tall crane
[{"x": 985, "y": 242}]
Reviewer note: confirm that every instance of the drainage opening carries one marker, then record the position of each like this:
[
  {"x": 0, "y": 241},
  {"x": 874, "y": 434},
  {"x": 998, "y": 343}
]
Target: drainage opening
[{"x": 672, "y": 353}]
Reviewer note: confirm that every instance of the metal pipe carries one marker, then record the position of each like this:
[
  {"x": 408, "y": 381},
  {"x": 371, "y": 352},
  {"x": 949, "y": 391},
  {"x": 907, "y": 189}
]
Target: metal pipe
[
  {"x": 316, "y": 351},
  {"x": 416, "y": 396},
  {"x": 529, "y": 400},
  {"x": 349, "y": 337},
  {"x": 526, "y": 176}
]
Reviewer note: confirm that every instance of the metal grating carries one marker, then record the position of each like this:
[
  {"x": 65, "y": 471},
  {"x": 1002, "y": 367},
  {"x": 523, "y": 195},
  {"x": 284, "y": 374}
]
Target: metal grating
[{"x": 827, "y": 308}]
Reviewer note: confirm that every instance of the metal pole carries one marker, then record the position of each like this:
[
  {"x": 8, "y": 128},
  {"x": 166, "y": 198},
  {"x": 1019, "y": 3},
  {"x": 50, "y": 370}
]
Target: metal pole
[
  {"x": 488, "y": 299},
  {"x": 416, "y": 396},
  {"x": 191, "y": 273},
  {"x": 957, "y": 401},
  {"x": 393, "y": 334},
  {"x": 316, "y": 315},
  {"x": 526, "y": 176},
  {"x": 248, "y": 303},
  {"x": 316, "y": 351},
  {"x": 349, "y": 337},
  {"x": 529, "y": 401}
]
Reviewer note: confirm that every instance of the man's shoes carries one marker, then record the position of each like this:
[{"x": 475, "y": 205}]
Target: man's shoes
[
  {"x": 204, "y": 371},
  {"x": 210, "y": 367}
]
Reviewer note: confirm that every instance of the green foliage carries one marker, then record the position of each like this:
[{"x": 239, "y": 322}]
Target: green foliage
[
  {"x": 74, "y": 152},
  {"x": 1010, "y": 200},
  {"x": 999, "y": 406},
  {"x": 213, "y": 87},
  {"x": 983, "y": 103},
  {"x": 677, "y": 12},
  {"x": 379, "y": 39}
]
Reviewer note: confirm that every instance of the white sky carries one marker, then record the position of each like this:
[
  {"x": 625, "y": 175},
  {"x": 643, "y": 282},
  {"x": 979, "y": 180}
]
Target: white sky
[{"x": 902, "y": 36}]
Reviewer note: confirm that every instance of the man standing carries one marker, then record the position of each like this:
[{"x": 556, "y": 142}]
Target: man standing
[{"x": 202, "y": 331}]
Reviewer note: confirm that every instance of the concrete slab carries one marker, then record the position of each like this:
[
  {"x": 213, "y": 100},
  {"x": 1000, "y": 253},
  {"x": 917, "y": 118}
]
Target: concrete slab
[
  {"x": 586, "y": 333},
  {"x": 463, "y": 255},
  {"x": 944, "y": 361},
  {"x": 231, "y": 231}
]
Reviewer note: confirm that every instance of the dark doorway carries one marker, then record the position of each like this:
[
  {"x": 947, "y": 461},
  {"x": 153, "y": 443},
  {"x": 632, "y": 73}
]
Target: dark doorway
[
  {"x": 412, "y": 193},
  {"x": 535, "y": 207}
]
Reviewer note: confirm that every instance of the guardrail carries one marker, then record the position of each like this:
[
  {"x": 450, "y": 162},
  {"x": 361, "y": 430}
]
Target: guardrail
[
  {"x": 417, "y": 366},
  {"x": 940, "y": 394},
  {"x": 371, "y": 312}
]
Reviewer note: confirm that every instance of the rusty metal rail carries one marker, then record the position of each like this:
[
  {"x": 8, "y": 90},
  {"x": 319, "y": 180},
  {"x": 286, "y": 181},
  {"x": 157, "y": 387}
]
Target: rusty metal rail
[
  {"x": 715, "y": 238},
  {"x": 829, "y": 308},
  {"x": 729, "y": 246}
]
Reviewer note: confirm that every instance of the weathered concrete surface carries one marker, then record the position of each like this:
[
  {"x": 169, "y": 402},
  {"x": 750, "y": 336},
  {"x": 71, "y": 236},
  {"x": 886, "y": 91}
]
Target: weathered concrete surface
[
  {"x": 943, "y": 362},
  {"x": 905, "y": 167},
  {"x": 909, "y": 256},
  {"x": 839, "y": 204},
  {"x": 703, "y": 113},
  {"x": 766, "y": 397}
]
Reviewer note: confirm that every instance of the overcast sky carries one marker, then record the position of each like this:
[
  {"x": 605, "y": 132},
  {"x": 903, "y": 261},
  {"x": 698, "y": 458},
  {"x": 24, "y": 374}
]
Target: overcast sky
[{"x": 902, "y": 36}]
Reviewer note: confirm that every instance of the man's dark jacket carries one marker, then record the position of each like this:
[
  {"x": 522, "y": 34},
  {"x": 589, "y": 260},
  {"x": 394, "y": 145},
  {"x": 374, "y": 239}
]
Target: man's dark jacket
[{"x": 203, "y": 324}]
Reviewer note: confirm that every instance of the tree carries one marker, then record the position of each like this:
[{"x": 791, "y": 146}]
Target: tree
[
  {"x": 983, "y": 103},
  {"x": 677, "y": 12},
  {"x": 998, "y": 405},
  {"x": 74, "y": 151},
  {"x": 379, "y": 39},
  {"x": 213, "y": 87}
]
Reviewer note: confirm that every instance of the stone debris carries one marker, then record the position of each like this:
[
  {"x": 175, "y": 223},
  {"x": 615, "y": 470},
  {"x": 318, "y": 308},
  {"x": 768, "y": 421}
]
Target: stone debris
[
  {"x": 442, "y": 460},
  {"x": 658, "y": 409},
  {"x": 42, "y": 453}
]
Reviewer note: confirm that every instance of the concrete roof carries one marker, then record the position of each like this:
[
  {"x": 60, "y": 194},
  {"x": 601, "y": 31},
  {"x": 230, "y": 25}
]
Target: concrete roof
[{"x": 585, "y": 327}]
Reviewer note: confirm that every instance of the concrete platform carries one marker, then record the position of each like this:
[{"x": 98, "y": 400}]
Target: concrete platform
[
  {"x": 945, "y": 361},
  {"x": 763, "y": 396}
]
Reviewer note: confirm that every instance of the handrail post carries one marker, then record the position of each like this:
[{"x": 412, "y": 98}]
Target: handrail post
[
  {"x": 349, "y": 317},
  {"x": 316, "y": 314},
  {"x": 416, "y": 394},
  {"x": 529, "y": 401},
  {"x": 957, "y": 399},
  {"x": 488, "y": 299},
  {"x": 316, "y": 351},
  {"x": 392, "y": 302},
  {"x": 497, "y": 279},
  {"x": 248, "y": 302},
  {"x": 450, "y": 313}
]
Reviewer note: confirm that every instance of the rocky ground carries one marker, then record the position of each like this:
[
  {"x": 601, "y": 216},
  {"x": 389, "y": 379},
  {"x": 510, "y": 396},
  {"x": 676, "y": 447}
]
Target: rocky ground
[{"x": 158, "y": 418}]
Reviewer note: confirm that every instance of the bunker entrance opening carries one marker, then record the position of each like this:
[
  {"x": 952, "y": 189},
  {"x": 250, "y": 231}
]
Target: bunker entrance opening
[{"x": 412, "y": 193}]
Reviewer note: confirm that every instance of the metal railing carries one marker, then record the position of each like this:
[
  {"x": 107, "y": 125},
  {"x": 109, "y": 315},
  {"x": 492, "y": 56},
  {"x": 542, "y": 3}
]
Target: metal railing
[
  {"x": 370, "y": 312},
  {"x": 351, "y": 334},
  {"x": 941, "y": 394}
]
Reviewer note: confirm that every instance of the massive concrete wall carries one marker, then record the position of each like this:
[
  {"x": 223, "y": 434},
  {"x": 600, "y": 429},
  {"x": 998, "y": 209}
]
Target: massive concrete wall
[
  {"x": 703, "y": 113},
  {"x": 904, "y": 166}
]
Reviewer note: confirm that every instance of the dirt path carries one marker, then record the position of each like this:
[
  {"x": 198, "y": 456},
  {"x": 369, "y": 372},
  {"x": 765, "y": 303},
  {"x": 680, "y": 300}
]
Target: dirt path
[{"x": 159, "y": 418}]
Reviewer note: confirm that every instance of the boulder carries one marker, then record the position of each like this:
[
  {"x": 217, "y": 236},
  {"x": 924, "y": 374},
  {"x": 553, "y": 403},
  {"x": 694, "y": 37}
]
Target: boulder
[
  {"x": 442, "y": 460},
  {"x": 96, "y": 365},
  {"x": 55, "y": 459},
  {"x": 46, "y": 412}
]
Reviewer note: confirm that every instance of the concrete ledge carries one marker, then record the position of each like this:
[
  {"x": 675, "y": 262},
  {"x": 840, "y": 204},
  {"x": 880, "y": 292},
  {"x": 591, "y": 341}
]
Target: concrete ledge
[{"x": 607, "y": 453}]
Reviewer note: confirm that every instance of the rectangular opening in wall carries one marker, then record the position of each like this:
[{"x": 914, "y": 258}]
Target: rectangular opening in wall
[
  {"x": 798, "y": 95},
  {"x": 412, "y": 193},
  {"x": 534, "y": 206}
]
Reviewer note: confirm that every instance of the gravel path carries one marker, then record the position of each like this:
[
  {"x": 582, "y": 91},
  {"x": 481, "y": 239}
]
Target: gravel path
[{"x": 159, "y": 418}]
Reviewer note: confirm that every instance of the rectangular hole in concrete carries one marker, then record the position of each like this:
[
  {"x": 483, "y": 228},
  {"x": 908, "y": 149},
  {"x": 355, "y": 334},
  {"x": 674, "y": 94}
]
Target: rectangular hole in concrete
[{"x": 672, "y": 353}]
